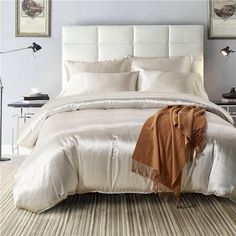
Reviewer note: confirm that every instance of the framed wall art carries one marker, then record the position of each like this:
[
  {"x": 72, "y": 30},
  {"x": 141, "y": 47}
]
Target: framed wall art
[
  {"x": 222, "y": 19},
  {"x": 33, "y": 18}
]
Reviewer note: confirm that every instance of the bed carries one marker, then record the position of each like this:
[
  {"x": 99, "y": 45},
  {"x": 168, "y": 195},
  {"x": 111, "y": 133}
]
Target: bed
[{"x": 84, "y": 142}]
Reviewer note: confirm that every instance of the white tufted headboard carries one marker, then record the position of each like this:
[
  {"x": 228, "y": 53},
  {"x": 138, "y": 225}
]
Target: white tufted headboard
[{"x": 91, "y": 43}]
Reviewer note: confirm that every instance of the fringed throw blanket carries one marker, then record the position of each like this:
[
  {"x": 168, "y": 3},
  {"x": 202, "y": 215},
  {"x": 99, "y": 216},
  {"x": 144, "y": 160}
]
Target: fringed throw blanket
[{"x": 166, "y": 142}]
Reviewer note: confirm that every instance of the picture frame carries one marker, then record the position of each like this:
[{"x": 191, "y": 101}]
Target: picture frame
[
  {"x": 222, "y": 19},
  {"x": 33, "y": 18}
]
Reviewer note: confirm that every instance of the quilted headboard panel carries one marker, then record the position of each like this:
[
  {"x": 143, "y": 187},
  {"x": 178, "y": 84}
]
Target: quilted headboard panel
[{"x": 91, "y": 43}]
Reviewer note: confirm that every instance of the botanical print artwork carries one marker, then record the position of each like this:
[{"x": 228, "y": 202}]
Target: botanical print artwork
[
  {"x": 222, "y": 19},
  {"x": 32, "y": 8},
  {"x": 33, "y": 18},
  {"x": 225, "y": 9}
]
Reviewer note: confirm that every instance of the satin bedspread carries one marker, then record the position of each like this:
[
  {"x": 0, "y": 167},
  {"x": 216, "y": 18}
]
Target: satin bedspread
[{"x": 84, "y": 143}]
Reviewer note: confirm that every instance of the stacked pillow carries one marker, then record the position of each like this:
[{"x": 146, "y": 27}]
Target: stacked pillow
[
  {"x": 109, "y": 66},
  {"x": 171, "y": 82},
  {"x": 170, "y": 75},
  {"x": 175, "y": 64},
  {"x": 99, "y": 76},
  {"x": 87, "y": 82},
  {"x": 133, "y": 73}
]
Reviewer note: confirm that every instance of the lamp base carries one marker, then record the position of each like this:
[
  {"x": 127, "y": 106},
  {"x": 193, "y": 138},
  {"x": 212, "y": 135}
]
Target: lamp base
[{"x": 4, "y": 159}]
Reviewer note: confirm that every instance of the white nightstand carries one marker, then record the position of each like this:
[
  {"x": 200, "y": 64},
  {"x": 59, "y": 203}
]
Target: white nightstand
[{"x": 22, "y": 110}]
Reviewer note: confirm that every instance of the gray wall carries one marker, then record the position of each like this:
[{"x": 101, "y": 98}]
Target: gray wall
[{"x": 21, "y": 71}]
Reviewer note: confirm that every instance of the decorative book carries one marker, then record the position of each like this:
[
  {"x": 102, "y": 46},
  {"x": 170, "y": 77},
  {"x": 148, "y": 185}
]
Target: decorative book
[
  {"x": 228, "y": 100},
  {"x": 34, "y": 101},
  {"x": 40, "y": 96}
]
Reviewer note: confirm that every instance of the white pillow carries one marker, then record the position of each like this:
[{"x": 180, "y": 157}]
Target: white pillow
[
  {"x": 110, "y": 66},
  {"x": 173, "y": 64},
  {"x": 171, "y": 82},
  {"x": 86, "y": 82}
]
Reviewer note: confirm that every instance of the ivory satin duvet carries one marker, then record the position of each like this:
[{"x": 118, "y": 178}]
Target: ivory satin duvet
[{"x": 84, "y": 143}]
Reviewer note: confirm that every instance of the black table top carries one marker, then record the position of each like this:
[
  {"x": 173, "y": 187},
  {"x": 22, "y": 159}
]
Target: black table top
[
  {"x": 40, "y": 104},
  {"x": 27, "y": 104},
  {"x": 226, "y": 103}
]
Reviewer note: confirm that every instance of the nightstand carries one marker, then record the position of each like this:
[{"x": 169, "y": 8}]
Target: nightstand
[
  {"x": 228, "y": 106},
  {"x": 22, "y": 110}
]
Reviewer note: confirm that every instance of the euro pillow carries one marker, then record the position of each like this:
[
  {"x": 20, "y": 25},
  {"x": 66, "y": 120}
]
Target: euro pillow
[
  {"x": 110, "y": 66},
  {"x": 172, "y": 64},
  {"x": 87, "y": 82},
  {"x": 171, "y": 82}
]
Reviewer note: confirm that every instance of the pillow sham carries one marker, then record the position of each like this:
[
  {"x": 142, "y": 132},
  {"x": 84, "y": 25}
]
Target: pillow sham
[
  {"x": 87, "y": 82},
  {"x": 173, "y": 64},
  {"x": 110, "y": 66},
  {"x": 171, "y": 82}
]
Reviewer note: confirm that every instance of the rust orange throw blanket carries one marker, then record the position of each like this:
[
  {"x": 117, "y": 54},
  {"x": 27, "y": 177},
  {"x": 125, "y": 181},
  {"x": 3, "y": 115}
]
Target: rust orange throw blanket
[{"x": 166, "y": 142}]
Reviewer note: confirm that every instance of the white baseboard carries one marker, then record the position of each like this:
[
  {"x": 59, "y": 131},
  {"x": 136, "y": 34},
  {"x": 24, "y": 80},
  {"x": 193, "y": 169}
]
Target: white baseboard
[{"x": 7, "y": 150}]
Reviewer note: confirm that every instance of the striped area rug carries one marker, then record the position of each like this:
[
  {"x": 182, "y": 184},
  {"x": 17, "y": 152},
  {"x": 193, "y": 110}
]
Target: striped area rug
[{"x": 122, "y": 215}]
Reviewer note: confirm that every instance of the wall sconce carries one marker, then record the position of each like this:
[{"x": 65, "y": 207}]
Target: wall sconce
[{"x": 226, "y": 51}]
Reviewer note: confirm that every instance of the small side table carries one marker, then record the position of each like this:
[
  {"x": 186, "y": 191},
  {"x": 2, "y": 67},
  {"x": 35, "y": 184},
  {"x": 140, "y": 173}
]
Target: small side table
[
  {"x": 228, "y": 106},
  {"x": 22, "y": 110}
]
